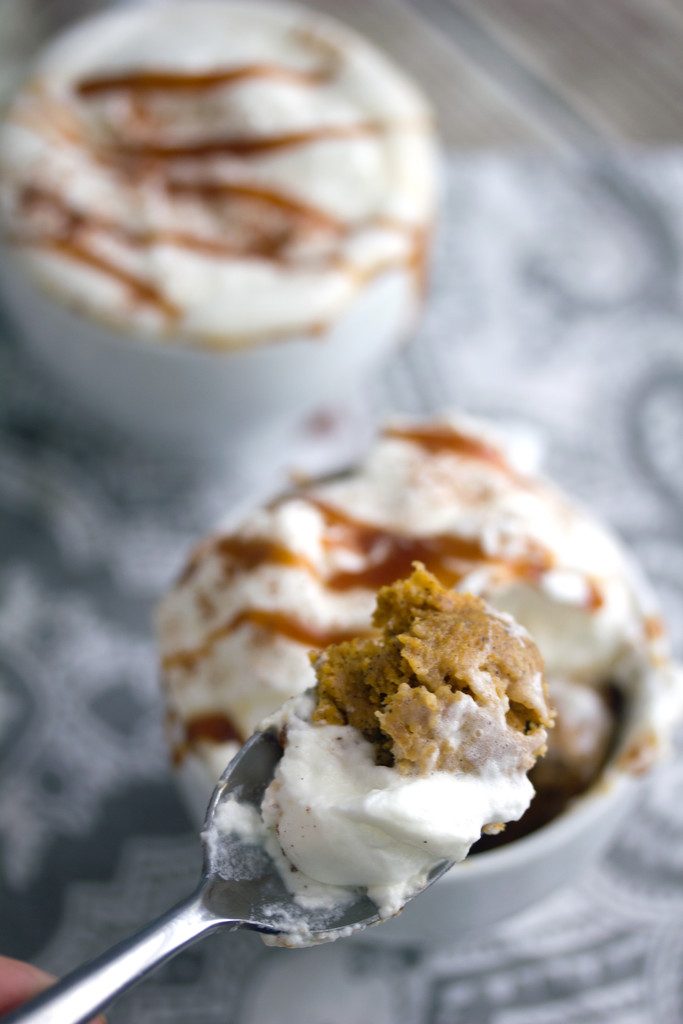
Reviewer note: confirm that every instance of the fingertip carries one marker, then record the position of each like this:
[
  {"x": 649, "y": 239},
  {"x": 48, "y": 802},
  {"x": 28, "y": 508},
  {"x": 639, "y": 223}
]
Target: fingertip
[{"x": 19, "y": 982}]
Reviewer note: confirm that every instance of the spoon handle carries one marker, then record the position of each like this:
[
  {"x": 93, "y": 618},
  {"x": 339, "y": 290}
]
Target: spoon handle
[{"x": 78, "y": 997}]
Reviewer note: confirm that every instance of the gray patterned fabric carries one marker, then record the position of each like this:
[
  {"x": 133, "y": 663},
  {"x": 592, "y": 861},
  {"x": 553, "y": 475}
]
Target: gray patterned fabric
[{"x": 557, "y": 304}]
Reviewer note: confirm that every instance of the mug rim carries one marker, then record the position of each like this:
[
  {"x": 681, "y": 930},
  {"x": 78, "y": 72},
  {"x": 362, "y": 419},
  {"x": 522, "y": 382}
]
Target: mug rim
[{"x": 174, "y": 344}]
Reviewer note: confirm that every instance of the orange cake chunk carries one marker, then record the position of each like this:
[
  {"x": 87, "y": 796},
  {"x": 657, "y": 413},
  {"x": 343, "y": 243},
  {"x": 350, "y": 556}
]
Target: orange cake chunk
[{"x": 446, "y": 683}]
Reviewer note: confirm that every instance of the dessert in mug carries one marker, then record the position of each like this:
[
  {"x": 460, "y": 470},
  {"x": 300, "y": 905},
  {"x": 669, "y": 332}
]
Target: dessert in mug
[
  {"x": 414, "y": 740},
  {"x": 219, "y": 174},
  {"x": 236, "y": 629}
]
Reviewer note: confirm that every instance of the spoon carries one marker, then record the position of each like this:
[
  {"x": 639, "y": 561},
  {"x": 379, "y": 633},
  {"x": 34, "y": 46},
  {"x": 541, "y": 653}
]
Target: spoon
[{"x": 240, "y": 887}]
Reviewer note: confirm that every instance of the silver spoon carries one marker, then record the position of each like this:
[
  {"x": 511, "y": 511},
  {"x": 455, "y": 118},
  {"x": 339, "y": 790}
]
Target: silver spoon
[{"x": 240, "y": 887}]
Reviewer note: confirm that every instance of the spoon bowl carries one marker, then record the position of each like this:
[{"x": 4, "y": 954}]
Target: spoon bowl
[
  {"x": 240, "y": 887},
  {"x": 242, "y": 877}
]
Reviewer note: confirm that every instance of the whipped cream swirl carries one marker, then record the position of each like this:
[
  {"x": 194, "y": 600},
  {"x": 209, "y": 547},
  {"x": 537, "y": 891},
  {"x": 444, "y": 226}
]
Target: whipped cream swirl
[
  {"x": 220, "y": 173},
  {"x": 236, "y": 630}
]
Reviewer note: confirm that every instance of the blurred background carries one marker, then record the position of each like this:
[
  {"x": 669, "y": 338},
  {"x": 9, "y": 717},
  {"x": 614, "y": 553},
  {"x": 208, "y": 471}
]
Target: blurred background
[
  {"x": 555, "y": 74},
  {"x": 556, "y": 303}
]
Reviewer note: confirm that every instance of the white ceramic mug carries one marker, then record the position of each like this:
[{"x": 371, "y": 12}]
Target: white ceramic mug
[
  {"x": 179, "y": 396},
  {"x": 170, "y": 386}
]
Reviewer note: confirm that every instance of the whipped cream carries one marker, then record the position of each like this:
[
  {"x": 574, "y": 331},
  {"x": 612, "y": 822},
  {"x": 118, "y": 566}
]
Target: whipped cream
[
  {"x": 218, "y": 172},
  {"x": 235, "y": 632},
  {"x": 583, "y": 725},
  {"x": 311, "y": 914},
  {"x": 334, "y": 822},
  {"x": 343, "y": 820}
]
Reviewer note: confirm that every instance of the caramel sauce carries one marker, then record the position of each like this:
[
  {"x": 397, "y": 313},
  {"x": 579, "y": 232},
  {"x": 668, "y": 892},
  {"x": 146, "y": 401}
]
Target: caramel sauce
[
  {"x": 390, "y": 554},
  {"x": 287, "y": 204},
  {"x": 596, "y": 598},
  {"x": 140, "y": 290},
  {"x": 438, "y": 439},
  {"x": 418, "y": 257},
  {"x": 654, "y": 627},
  {"x": 387, "y": 555},
  {"x": 209, "y": 727},
  {"x": 293, "y": 629},
  {"x": 181, "y": 240},
  {"x": 214, "y": 727},
  {"x": 246, "y": 553},
  {"x": 396, "y": 561},
  {"x": 418, "y": 263},
  {"x": 374, "y": 270},
  {"x": 275, "y": 622},
  {"x": 70, "y": 239},
  {"x": 274, "y": 242},
  {"x": 73, "y": 223},
  {"x": 247, "y": 146},
  {"x": 149, "y": 81}
]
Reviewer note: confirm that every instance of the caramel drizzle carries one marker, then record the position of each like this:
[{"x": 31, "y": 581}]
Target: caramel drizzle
[
  {"x": 70, "y": 238},
  {"x": 390, "y": 554},
  {"x": 252, "y": 146},
  {"x": 247, "y": 553},
  {"x": 143, "y": 158},
  {"x": 243, "y": 554},
  {"x": 74, "y": 222},
  {"x": 141, "y": 82},
  {"x": 418, "y": 261},
  {"x": 209, "y": 727},
  {"x": 654, "y": 627},
  {"x": 275, "y": 622},
  {"x": 70, "y": 241},
  {"x": 596, "y": 598},
  {"x": 140, "y": 290},
  {"x": 440, "y": 439},
  {"x": 295, "y": 208},
  {"x": 213, "y": 726}
]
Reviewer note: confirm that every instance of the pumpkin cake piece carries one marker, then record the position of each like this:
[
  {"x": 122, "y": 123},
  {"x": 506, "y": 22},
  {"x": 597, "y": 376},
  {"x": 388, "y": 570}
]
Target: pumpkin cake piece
[
  {"x": 414, "y": 741},
  {"x": 446, "y": 684}
]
